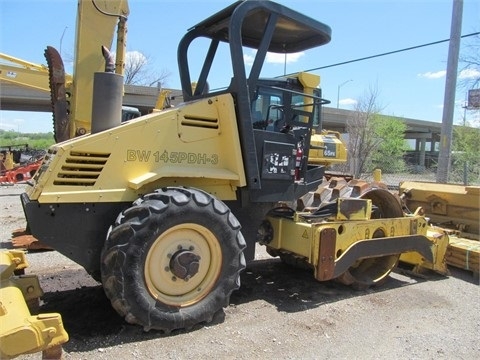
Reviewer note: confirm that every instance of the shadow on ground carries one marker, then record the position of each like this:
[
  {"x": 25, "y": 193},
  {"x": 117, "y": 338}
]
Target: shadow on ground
[{"x": 92, "y": 323}]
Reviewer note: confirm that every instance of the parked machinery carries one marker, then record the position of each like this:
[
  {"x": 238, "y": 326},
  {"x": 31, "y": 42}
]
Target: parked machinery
[{"x": 166, "y": 209}]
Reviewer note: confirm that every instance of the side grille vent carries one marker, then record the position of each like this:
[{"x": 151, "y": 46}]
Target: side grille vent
[
  {"x": 81, "y": 169},
  {"x": 202, "y": 122}
]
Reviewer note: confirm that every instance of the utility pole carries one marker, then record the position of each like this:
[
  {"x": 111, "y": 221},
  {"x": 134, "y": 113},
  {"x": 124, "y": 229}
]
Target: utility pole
[{"x": 449, "y": 97}]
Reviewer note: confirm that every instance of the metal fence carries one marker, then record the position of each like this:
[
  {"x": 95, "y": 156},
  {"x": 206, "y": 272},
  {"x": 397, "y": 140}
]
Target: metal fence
[{"x": 459, "y": 173}]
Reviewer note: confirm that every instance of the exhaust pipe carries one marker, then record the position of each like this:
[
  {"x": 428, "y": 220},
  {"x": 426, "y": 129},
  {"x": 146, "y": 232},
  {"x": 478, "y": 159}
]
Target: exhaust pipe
[{"x": 107, "y": 96}]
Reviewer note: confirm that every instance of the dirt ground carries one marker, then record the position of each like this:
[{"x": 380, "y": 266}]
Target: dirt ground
[{"x": 278, "y": 313}]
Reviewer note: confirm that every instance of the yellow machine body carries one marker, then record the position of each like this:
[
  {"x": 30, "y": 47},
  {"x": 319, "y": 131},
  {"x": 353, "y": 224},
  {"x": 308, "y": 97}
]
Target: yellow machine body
[{"x": 186, "y": 145}]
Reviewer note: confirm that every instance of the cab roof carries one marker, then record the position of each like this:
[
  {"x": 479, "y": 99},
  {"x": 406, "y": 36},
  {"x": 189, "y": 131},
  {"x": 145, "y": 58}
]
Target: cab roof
[{"x": 293, "y": 32}]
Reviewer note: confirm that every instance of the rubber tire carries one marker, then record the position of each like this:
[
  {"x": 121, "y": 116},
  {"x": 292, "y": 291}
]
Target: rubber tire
[{"x": 131, "y": 238}]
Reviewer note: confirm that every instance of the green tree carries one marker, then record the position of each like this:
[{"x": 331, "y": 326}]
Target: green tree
[
  {"x": 465, "y": 166},
  {"x": 388, "y": 155},
  {"x": 374, "y": 140},
  {"x": 39, "y": 141}
]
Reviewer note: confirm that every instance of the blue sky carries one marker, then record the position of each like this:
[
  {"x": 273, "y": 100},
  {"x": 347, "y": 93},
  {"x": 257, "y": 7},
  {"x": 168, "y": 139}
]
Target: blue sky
[{"x": 410, "y": 84}]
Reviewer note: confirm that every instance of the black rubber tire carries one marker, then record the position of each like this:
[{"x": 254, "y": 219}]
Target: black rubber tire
[{"x": 144, "y": 231}]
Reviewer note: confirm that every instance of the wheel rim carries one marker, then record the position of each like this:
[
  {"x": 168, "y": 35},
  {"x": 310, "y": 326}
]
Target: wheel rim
[{"x": 183, "y": 264}]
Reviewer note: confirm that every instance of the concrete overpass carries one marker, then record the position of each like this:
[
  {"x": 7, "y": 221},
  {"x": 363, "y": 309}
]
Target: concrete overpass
[
  {"x": 425, "y": 133},
  {"x": 18, "y": 98}
]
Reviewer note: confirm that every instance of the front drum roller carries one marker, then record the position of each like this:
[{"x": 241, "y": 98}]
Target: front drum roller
[
  {"x": 370, "y": 271},
  {"x": 172, "y": 260},
  {"x": 373, "y": 271}
]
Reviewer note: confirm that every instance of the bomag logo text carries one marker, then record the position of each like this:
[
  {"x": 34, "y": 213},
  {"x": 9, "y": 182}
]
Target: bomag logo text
[{"x": 174, "y": 157}]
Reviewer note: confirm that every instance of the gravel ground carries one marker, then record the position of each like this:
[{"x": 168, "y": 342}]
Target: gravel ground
[{"x": 278, "y": 313}]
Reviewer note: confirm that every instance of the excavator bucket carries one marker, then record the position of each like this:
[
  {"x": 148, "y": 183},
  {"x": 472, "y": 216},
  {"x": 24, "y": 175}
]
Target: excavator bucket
[{"x": 20, "y": 331}]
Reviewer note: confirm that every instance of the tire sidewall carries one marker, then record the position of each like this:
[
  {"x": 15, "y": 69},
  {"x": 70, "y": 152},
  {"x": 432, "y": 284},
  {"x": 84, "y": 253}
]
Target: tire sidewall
[{"x": 138, "y": 300}]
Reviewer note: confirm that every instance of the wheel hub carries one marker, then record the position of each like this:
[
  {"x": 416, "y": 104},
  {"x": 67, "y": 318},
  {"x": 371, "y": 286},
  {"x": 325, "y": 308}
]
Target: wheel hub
[{"x": 184, "y": 264}]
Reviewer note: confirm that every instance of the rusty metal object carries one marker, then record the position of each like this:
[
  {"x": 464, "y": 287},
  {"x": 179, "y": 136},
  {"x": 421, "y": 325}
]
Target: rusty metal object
[
  {"x": 326, "y": 263},
  {"x": 58, "y": 94},
  {"x": 22, "y": 239}
]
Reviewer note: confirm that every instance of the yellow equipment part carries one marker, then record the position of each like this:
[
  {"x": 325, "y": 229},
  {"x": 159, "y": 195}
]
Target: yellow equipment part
[
  {"x": 439, "y": 240},
  {"x": 454, "y": 209},
  {"x": 94, "y": 29},
  {"x": 24, "y": 73},
  {"x": 447, "y": 205},
  {"x": 327, "y": 148},
  {"x": 8, "y": 161},
  {"x": 21, "y": 332},
  {"x": 358, "y": 238},
  {"x": 332, "y": 247}
]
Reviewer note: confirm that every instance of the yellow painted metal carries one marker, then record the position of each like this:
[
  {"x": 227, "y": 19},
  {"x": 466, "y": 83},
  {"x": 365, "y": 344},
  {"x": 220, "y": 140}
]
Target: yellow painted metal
[
  {"x": 21, "y": 332},
  {"x": 162, "y": 100},
  {"x": 354, "y": 209},
  {"x": 439, "y": 240},
  {"x": 447, "y": 205},
  {"x": 310, "y": 82},
  {"x": 96, "y": 24},
  {"x": 8, "y": 161},
  {"x": 304, "y": 239},
  {"x": 321, "y": 154},
  {"x": 26, "y": 74},
  {"x": 171, "y": 147},
  {"x": 161, "y": 281}
]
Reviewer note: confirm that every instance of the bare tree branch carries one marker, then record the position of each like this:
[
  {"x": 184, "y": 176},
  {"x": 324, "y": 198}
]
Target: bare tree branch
[
  {"x": 470, "y": 58},
  {"x": 138, "y": 72},
  {"x": 361, "y": 134}
]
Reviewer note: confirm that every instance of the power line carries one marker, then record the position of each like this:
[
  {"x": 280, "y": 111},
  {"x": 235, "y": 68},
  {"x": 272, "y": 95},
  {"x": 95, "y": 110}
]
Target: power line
[{"x": 386, "y": 53}]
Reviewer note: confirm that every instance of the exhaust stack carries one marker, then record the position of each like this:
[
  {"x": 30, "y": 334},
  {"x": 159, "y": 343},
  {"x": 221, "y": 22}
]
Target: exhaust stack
[{"x": 107, "y": 96}]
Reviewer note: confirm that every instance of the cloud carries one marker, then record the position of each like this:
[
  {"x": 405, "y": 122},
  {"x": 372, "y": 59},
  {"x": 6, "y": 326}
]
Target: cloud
[
  {"x": 135, "y": 57},
  {"x": 348, "y": 101},
  {"x": 5, "y": 126},
  {"x": 464, "y": 74},
  {"x": 273, "y": 58},
  {"x": 248, "y": 59},
  {"x": 433, "y": 75},
  {"x": 469, "y": 74},
  {"x": 11, "y": 124}
]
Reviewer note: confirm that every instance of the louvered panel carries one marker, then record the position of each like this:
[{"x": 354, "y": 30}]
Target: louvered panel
[{"x": 81, "y": 169}]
